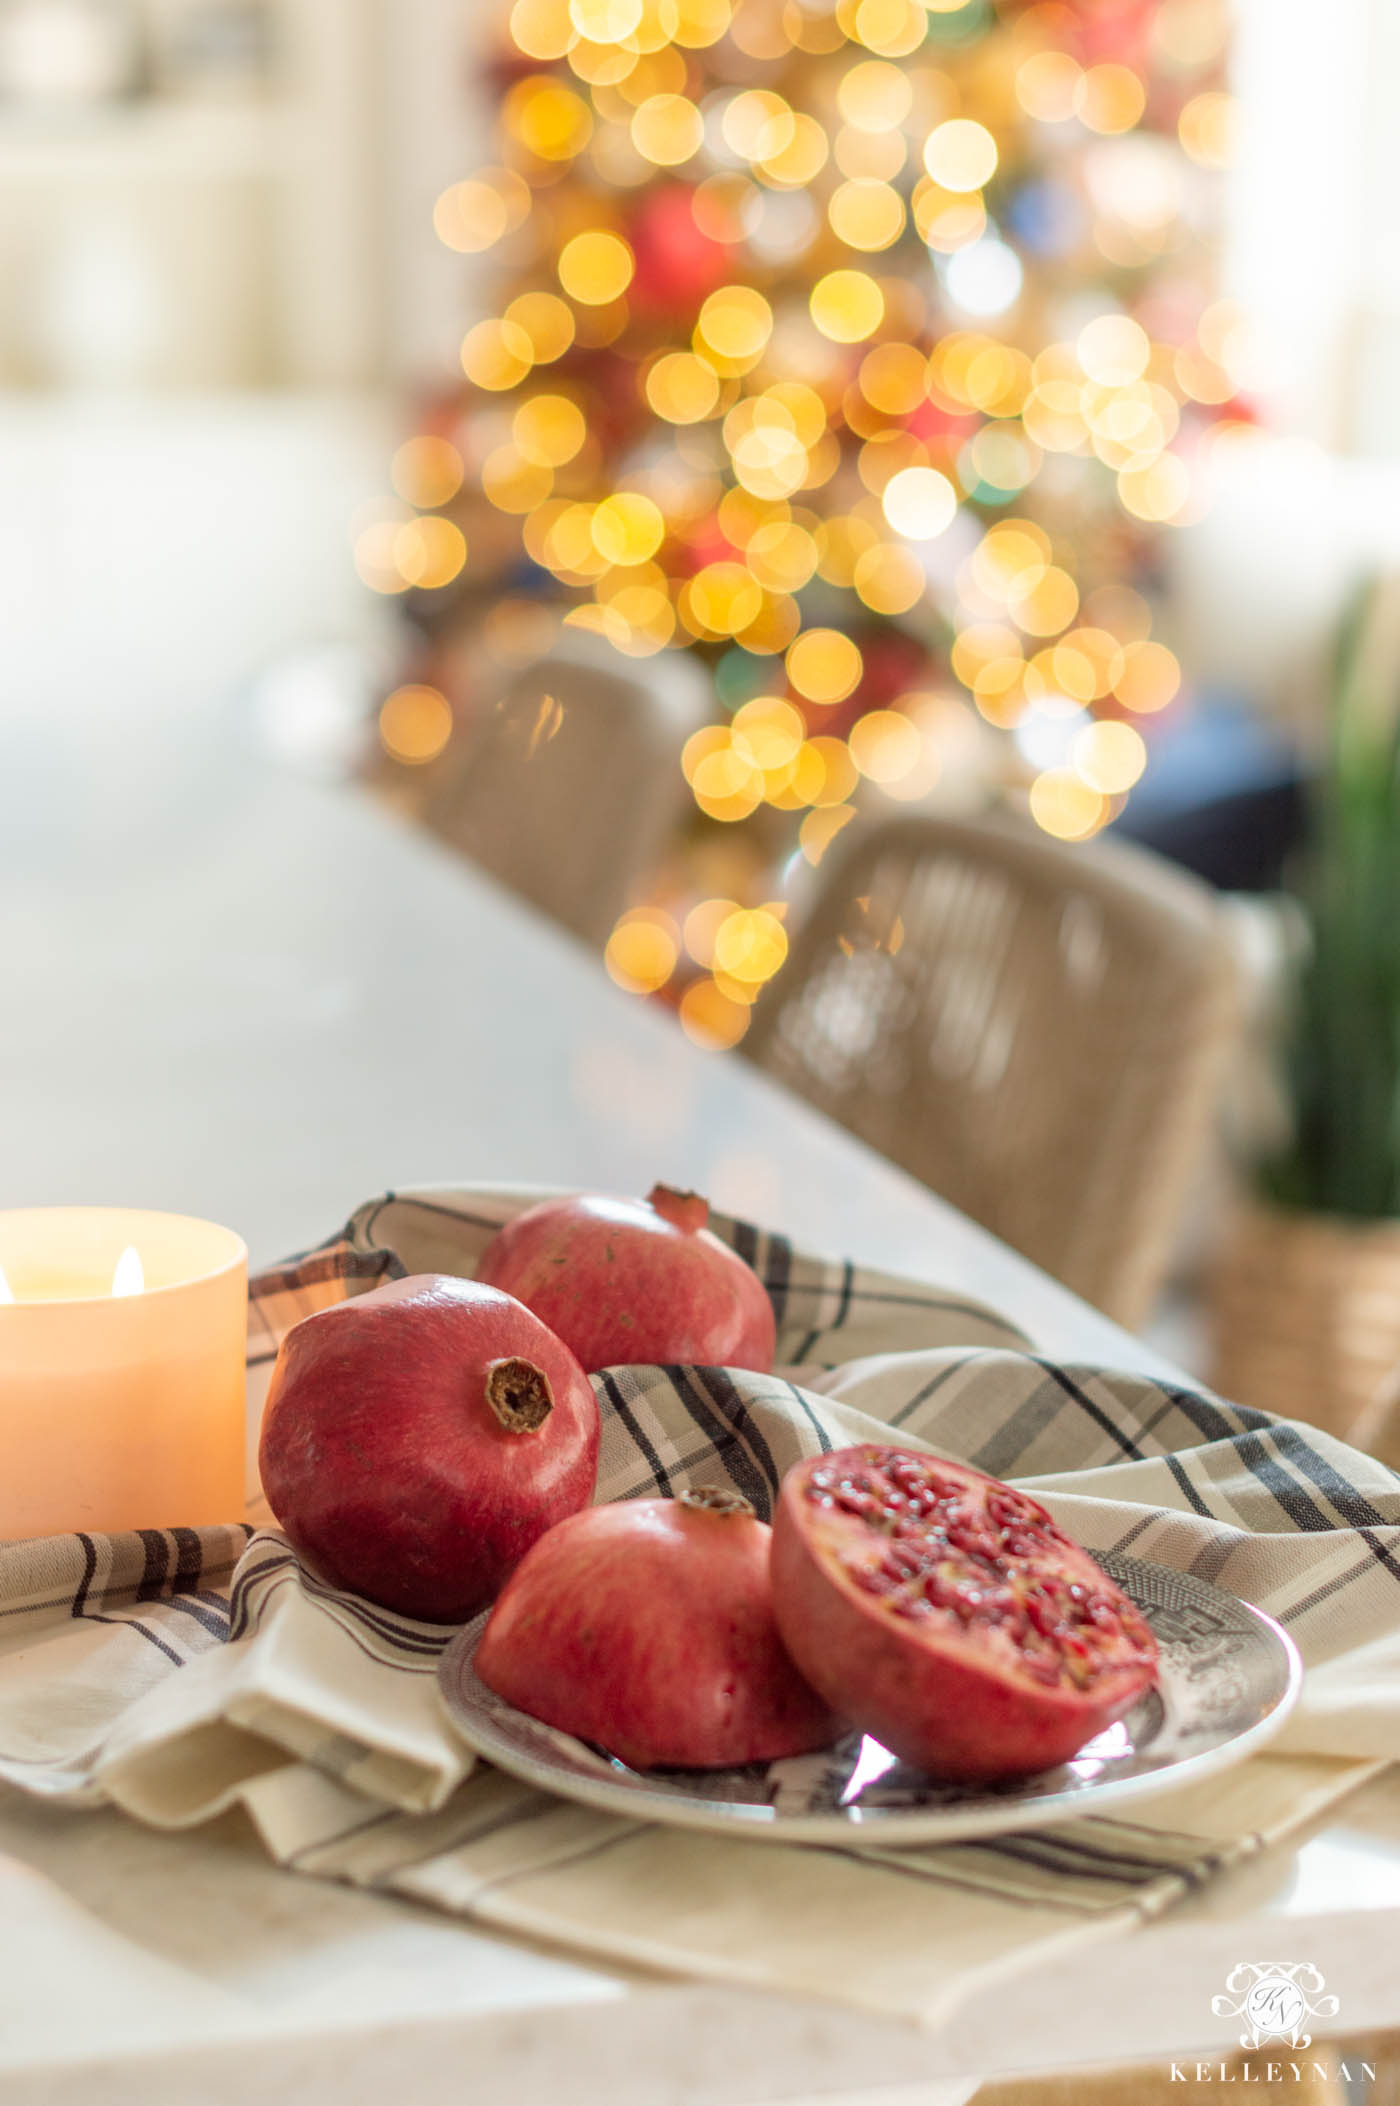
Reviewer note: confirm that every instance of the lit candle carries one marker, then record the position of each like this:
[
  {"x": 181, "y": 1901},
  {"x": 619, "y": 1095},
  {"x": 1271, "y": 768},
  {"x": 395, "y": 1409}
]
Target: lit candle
[{"x": 121, "y": 1370}]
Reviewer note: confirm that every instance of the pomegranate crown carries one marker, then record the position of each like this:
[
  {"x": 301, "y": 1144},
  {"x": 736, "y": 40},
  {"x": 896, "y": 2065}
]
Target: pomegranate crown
[{"x": 686, "y": 1211}]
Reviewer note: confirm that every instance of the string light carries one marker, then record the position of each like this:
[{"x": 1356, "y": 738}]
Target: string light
[{"x": 829, "y": 346}]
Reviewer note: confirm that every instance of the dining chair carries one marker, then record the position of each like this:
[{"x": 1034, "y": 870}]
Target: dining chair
[
  {"x": 1376, "y": 1429},
  {"x": 1034, "y": 1029},
  {"x": 570, "y": 783}
]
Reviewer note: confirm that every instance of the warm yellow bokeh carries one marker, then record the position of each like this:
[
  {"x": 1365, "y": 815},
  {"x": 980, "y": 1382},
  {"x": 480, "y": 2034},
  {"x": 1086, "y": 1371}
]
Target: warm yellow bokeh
[
  {"x": 781, "y": 555},
  {"x": 700, "y": 925},
  {"x": 642, "y": 951},
  {"x": 711, "y": 1018},
  {"x": 1045, "y": 605},
  {"x": 875, "y": 96},
  {"x": 605, "y": 21},
  {"x": 1064, "y": 805},
  {"x": 496, "y": 355},
  {"x": 1113, "y": 350},
  {"x": 889, "y": 578},
  {"x": 470, "y": 216},
  {"x": 627, "y": 528},
  {"x": 820, "y": 828},
  {"x": 667, "y": 130},
  {"x": 1158, "y": 492},
  {"x": 847, "y": 306},
  {"x": 1149, "y": 678},
  {"x": 548, "y": 119},
  {"x": 548, "y": 430},
  {"x": 547, "y": 321},
  {"x": 824, "y": 665},
  {"x": 429, "y": 553},
  {"x": 596, "y": 267},
  {"x": 800, "y": 159},
  {"x": 427, "y": 471},
  {"x": 542, "y": 28},
  {"x": 682, "y": 388},
  {"x": 736, "y": 321},
  {"x": 866, "y": 215},
  {"x": 415, "y": 723},
  {"x": 1047, "y": 86},
  {"x": 750, "y": 944},
  {"x": 1109, "y": 98},
  {"x": 723, "y": 598},
  {"x": 894, "y": 378},
  {"x": 768, "y": 732},
  {"x": 960, "y": 154},
  {"x": 511, "y": 482},
  {"x": 1110, "y": 756},
  {"x": 1208, "y": 128},
  {"x": 885, "y": 746}
]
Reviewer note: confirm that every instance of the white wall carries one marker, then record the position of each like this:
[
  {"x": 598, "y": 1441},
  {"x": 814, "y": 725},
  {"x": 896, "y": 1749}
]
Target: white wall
[{"x": 1312, "y": 250}]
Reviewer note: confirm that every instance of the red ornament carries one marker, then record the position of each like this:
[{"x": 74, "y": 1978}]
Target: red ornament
[
  {"x": 1114, "y": 31},
  {"x": 678, "y": 267}
]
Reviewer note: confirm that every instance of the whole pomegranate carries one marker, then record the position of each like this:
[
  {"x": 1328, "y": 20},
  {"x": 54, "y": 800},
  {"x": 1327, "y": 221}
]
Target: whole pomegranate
[
  {"x": 418, "y": 1439},
  {"x": 647, "y": 1628},
  {"x": 947, "y": 1615},
  {"x": 633, "y": 1279}
]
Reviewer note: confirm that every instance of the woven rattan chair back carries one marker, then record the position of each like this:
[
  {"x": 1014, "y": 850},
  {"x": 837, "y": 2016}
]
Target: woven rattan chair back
[
  {"x": 571, "y": 783},
  {"x": 1035, "y": 1030}
]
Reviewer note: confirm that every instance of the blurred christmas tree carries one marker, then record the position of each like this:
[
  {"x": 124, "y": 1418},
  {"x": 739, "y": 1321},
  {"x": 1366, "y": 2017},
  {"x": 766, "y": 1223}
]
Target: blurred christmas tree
[{"x": 866, "y": 349}]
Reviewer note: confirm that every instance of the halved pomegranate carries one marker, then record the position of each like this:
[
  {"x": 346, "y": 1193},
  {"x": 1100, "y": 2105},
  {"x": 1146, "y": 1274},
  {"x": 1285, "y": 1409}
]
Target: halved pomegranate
[
  {"x": 944, "y": 1613},
  {"x": 647, "y": 1628}
]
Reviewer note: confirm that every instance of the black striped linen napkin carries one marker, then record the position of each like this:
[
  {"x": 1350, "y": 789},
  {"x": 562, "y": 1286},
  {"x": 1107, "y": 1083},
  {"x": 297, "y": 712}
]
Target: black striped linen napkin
[{"x": 176, "y": 1673}]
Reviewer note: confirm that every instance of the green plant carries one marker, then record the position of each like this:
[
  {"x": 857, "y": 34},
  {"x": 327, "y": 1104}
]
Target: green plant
[{"x": 1343, "y": 1065}]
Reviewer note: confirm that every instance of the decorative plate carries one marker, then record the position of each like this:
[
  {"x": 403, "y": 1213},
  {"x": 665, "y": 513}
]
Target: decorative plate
[{"x": 1229, "y": 1678}]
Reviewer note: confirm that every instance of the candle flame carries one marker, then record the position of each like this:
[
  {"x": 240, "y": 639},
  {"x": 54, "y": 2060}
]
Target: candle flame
[
  {"x": 5, "y": 1294},
  {"x": 129, "y": 1277}
]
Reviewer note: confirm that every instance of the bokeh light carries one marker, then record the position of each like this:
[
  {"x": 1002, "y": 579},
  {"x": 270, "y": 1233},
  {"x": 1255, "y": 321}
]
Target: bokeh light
[
  {"x": 642, "y": 950},
  {"x": 960, "y": 154},
  {"x": 427, "y": 471},
  {"x": 415, "y": 724},
  {"x": 847, "y": 306},
  {"x": 824, "y": 665},
  {"x": 919, "y": 503},
  {"x": 627, "y": 528},
  {"x": 1110, "y": 756},
  {"x": 1149, "y": 678},
  {"x": 1063, "y": 804},
  {"x": 595, "y": 267},
  {"x": 496, "y": 355},
  {"x": 711, "y": 1018}
]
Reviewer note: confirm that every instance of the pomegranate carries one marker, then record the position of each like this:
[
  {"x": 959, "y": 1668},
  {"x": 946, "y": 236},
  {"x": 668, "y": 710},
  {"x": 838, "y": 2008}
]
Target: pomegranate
[
  {"x": 632, "y": 1279},
  {"x": 647, "y": 1628},
  {"x": 945, "y": 1613},
  {"x": 419, "y": 1438}
]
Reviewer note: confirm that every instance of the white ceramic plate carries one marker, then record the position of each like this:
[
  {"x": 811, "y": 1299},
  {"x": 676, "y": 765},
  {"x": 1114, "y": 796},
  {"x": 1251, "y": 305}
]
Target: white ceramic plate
[{"x": 1229, "y": 1678}]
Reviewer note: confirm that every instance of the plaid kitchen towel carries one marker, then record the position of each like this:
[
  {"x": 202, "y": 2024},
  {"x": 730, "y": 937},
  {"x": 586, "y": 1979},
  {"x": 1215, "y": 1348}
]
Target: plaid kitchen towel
[{"x": 176, "y": 1673}]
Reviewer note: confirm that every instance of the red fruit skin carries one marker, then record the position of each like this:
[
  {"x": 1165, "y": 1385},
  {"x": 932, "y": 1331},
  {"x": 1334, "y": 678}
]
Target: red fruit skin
[
  {"x": 647, "y": 1628},
  {"x": 937, "y": 1695},
  {"x": 387, "y": 1466},
  {"x": 634, "y": 1280}
]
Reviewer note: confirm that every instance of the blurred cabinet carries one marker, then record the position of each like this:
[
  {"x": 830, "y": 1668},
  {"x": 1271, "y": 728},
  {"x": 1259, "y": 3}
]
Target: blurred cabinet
[{"x": 190, "y": 193}]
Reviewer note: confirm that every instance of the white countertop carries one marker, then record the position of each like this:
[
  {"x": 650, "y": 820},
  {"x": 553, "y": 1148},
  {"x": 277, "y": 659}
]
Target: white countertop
[{"x": 261, "y": 1001}]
